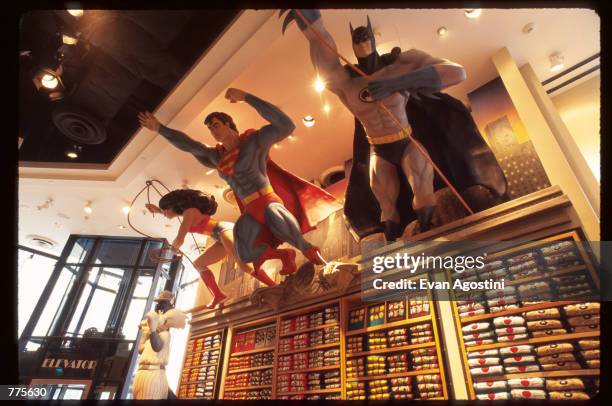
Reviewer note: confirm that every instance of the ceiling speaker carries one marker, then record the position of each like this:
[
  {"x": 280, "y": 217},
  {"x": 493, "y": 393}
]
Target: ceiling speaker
[{"x": 79, "y": 125}]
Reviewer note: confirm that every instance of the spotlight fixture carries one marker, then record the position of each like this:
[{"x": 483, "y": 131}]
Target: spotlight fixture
[
  {"x": 473, "y": 12},
  {"x": 76, "y": 13},
  {"x": 556, "y": 62},
  {"x": 49, "y": 81},
  {"x": 125, "y": 209},
  {"x": 319, "y": 85},
  {"x": 326, "y": 108},
  {"x": 73, "y": 153},
  {"x": 442, "y": 31},
  {"x": 308, "y": 121},
  {"x": 88, "y": 208}
]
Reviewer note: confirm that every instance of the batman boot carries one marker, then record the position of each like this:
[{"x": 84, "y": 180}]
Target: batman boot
[
  {"x": 393, "y": 230},
  {"x": 424, "y": 215}
]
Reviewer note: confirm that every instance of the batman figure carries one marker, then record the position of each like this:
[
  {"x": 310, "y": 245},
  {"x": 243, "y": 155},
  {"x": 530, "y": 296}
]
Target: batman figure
[{"x": 392, "y": 181}]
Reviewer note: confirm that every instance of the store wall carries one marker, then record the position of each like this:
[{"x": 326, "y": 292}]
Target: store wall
[{"x": 579, "y": 108}]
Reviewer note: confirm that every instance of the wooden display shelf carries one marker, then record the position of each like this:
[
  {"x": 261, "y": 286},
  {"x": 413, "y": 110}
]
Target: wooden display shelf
[
  {"x": 201, "y": 366},
  {"x": 396, "y": 375},
  {"x": 202, "y": 381},
  {"x": 318, "y": 347},
  {"x": 205, "y": 349},
  {"x": 238, "y": 371},
  {"x": 390, "y": 350},
  {"x": 529, "y": 246},
  {"x": 539, "y": 340},
  {"x": 387, "y": 326},
  {"x": 299, "y": 371},
  {"x": 546, "y": 274},
  {"x": 540, "y": 374},
  {"x": 246, "y": 388},
  {"x": 310, "y": 392},
  {"x": 308, "y": 330},
  {"x": 255, "y": 351},
  {"x": 547, "y": 305}
]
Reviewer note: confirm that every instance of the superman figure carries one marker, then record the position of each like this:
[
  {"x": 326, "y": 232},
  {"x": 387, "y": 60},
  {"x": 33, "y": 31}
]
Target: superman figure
[{"x": 275, "y": 205}]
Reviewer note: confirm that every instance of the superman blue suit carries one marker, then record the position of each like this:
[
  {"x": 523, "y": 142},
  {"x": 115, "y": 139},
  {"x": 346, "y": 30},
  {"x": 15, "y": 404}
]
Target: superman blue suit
[{"x": 275, "y": 205}]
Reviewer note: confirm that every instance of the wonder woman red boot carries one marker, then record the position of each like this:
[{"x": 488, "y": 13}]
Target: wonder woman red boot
[{"x": 210, "y": 282}]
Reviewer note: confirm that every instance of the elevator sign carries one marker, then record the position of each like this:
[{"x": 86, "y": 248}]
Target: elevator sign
[{"x": 64, "y": 363}]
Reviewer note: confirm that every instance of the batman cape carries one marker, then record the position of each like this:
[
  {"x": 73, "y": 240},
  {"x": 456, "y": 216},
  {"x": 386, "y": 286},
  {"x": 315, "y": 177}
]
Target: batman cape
[{"x": 445, "y": 127}]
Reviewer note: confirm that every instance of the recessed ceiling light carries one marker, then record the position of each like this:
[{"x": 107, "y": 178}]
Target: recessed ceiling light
[
  {"x": 121, "y": 227},
  {"x": 76, "y": 13},
  {"x": 473, "y": 12},
  {"x": 88, "y": 208},
  {"x": 68, "y": 40},
  {"x": 125, "y": 209},
  {"x": 276, "y": 146},
  {"x": 49, "y": 81},
  {"x": 326, "y": 108},
  {"x": 291, "y": 137},
  {"x": 319, "y": 85},
  {"x": 557, "y": 62},
  {"x": 73, "y": 152},
  {"x": 308, "y": 121},
  {"x": 442, "y": 31}
]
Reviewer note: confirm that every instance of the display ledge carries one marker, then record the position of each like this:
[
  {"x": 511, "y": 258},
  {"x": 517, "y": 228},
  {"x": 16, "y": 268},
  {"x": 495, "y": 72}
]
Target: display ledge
[
  {"x": 318, "y": 347},
  {"x": 255, "y": 351},
  {"x": 387, "y": 326},
  {"x": 310, "y": 392},
  {"x": 238, "y": 371},
  {"x": 199, "y": 381},
  {"x": 546, "y": 274},
  {"x": 201, "y": 366},
  {"x": 203, "y": 397},
  {"x": 529, "y": 246},
  {"x": 540, "y": 374},
  {"x": 308, "y": 330},
  {"x": 298, "y": 371},
  {"x": 390, "y": 350},
  {"x": 204, "y": 350},
  {"x": 539, "y": 340},
  {"x": 549, "y": 304},
  {"x": 397, "y": 375},
  {"x": 245, "y": 388}
]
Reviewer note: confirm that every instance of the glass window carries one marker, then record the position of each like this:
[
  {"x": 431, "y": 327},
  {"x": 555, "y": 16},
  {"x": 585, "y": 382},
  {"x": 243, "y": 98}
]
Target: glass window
[
  {"x": 138, "y": 302},
  {"x": 56, "y": 301},
  {"x": 102, "y": 299},
  {"x": 84, "y": 302},
  {"x": 79, "y": 252},
  {"x": 34, "y": 272},
  {"x": 185, "y": 299},
  {"x": 117, "y": 252},
  {"x": 65, "y": 391},
  {"x": 150, "y": 248}
]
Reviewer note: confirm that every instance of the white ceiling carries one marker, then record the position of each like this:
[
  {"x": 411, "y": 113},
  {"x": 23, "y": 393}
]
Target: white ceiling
[{"x": 254, "y": 56}]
